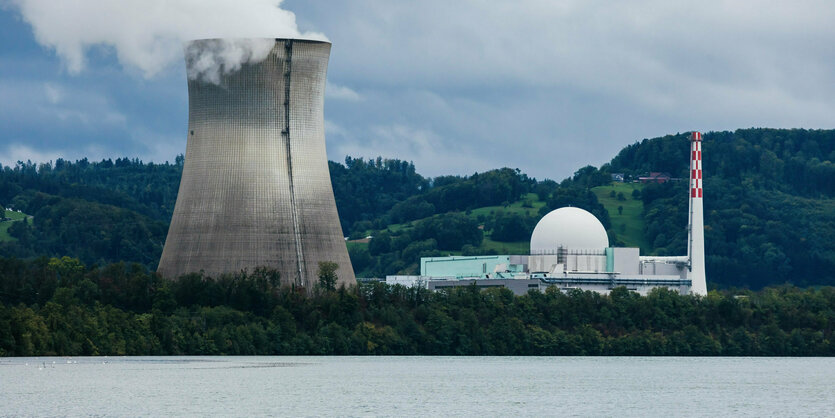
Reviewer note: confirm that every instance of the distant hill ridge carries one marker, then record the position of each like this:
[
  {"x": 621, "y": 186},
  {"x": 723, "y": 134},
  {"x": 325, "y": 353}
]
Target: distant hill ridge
[{"x": 770, "y": 207}]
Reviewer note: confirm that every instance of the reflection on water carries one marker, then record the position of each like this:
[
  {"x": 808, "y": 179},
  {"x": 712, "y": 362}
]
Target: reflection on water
[{"x": 261, "y": 386}]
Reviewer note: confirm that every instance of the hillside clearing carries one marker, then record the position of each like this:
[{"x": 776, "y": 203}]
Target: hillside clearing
[
  {"x": 4, "y": 226},
  {"x": 629, "y": 225}
]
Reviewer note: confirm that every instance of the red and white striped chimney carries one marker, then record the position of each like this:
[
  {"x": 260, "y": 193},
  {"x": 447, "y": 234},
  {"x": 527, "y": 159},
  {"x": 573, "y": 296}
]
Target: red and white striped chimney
[{"x": 696, "y": 242}]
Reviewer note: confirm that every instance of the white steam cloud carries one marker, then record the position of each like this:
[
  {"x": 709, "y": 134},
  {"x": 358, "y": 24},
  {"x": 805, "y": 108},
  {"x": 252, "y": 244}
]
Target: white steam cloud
[
  {"x": 208, "y": 60},
  {"x": 149, "y": 34}
]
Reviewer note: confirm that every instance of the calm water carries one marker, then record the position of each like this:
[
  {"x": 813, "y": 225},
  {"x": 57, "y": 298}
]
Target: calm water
[{"x": 428, "y": 386}]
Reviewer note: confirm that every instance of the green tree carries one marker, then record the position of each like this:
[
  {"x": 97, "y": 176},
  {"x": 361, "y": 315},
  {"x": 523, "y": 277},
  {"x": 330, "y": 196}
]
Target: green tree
[{"x": 327, "y": 275}]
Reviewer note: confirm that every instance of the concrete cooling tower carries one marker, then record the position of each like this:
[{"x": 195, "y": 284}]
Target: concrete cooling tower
[{"x": 255, "y": 189}]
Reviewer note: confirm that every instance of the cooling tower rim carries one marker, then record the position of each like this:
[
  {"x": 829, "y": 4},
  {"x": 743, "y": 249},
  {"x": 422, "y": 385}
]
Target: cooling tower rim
[{"x": 301, "y": 40}]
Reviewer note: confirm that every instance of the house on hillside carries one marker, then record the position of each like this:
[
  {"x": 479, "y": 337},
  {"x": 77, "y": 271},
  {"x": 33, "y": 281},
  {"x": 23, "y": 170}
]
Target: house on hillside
[{"x": 655, "y": 177}]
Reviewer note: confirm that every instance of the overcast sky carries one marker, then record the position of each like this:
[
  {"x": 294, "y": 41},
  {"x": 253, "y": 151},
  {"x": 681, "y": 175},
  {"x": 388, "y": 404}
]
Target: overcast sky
[{"x": 455, "y": 86}]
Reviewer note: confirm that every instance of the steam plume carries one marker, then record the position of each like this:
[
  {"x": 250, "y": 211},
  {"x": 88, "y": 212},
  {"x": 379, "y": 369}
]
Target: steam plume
[
  {"x": 149, "y": 34},
  {"x": 208, "y": 60}
]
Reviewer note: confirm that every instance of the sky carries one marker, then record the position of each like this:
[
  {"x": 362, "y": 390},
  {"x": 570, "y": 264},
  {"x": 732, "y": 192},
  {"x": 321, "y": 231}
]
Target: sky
[{"x": 457, "y": 87}]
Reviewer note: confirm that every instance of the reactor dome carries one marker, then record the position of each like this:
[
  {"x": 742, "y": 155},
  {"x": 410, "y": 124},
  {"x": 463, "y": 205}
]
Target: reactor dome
[{"x": 569, "y": 228}]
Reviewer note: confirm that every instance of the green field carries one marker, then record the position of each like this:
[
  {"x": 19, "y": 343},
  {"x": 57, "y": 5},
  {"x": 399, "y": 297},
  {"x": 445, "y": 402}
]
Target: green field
[
  {"x": 628, "y": 226},
  {"x": 529, "y": 199},
  {"x": 4, "y": 226},
  {"x": 352, "y": 244},
  {"x": 528, "y": 205}
]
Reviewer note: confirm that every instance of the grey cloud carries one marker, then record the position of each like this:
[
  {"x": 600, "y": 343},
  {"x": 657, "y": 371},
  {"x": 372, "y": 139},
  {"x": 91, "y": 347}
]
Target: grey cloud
[
  {"x": 561, "y": 84},
  {"x": 545, "y": 86}
]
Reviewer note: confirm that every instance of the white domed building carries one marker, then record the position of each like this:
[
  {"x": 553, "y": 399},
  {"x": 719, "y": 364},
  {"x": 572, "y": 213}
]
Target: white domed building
[
  {"x": 568, "y": 227},
  {"x": 568, "y": 239}
]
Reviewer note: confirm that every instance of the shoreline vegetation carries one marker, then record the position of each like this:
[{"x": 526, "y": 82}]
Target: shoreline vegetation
[{"x": 60, "y": 307}]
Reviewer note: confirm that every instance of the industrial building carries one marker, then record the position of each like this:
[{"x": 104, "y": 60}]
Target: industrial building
[
  {"x": 255, "y": 189},
  {"x": 569, "y": 249}
]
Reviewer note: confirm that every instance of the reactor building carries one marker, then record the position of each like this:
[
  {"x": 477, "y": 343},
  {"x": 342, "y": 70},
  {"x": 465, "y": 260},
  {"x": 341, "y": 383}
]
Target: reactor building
[
  {"x": 569, "y": 249},
  {"x": 256, "y": 190}
]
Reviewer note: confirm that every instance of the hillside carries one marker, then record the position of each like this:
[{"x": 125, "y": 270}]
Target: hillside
[
  {"x": 770, "y": 207},
  {"x": 626, "y": 210},
  {"x": 11, "y": 218},
  {"x": 769, "y": 203}
]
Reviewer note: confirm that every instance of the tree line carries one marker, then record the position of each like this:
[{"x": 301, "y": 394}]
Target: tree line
[{"x": 62, "y": 307}]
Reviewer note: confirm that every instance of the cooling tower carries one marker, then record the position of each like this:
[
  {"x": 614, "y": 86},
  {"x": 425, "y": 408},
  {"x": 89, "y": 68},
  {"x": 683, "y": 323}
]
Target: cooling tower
[{"x": 255, "y": 189}]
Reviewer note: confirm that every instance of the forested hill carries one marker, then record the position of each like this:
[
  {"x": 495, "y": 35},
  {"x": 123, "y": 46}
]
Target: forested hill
[
  {"x": 769, "y": 207},
  {"x": 769, "y": 202},
  {"x": 794, "y": 161}
]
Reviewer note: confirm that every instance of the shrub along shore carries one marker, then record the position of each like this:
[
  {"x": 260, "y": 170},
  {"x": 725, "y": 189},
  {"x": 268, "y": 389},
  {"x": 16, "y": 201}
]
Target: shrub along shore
[{"x": 61, "y": 307}]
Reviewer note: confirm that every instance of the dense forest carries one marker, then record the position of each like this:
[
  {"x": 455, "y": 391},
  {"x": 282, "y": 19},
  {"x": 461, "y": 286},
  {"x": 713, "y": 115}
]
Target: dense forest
[
  {"x": 769, "y": 203},
  {"x": 99, "y": 212},
  {"x": 769, "y": 207},
  {"x": 61, "y": 307}
]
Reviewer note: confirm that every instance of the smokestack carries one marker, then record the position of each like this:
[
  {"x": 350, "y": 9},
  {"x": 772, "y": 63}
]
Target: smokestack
[
  {"x": 696, "y": 234},
  {"x": 256, "y": 190}
]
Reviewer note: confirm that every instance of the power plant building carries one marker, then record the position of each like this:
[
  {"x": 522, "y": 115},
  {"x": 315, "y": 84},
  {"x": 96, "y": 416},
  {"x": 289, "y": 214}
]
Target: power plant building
[
  {"x": 569, "y": 249},
  {"x": 256, "y": 190}
]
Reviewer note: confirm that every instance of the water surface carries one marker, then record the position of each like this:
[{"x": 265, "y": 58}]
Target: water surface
[{"x": 407, "y": 386}]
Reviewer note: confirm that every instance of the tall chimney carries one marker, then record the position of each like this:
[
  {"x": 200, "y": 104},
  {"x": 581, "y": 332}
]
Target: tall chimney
[
  {"x": 696, "y": 234},
  {"x": 256, "y": 190}
]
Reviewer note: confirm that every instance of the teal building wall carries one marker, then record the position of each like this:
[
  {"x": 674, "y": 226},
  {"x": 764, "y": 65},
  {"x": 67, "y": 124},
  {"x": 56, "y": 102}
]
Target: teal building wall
[{"x": 466, "y": 266}]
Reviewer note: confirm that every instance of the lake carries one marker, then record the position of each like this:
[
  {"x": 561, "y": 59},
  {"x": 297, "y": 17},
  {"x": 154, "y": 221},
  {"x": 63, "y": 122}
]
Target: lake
[{"x": 426, "y": 386}]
